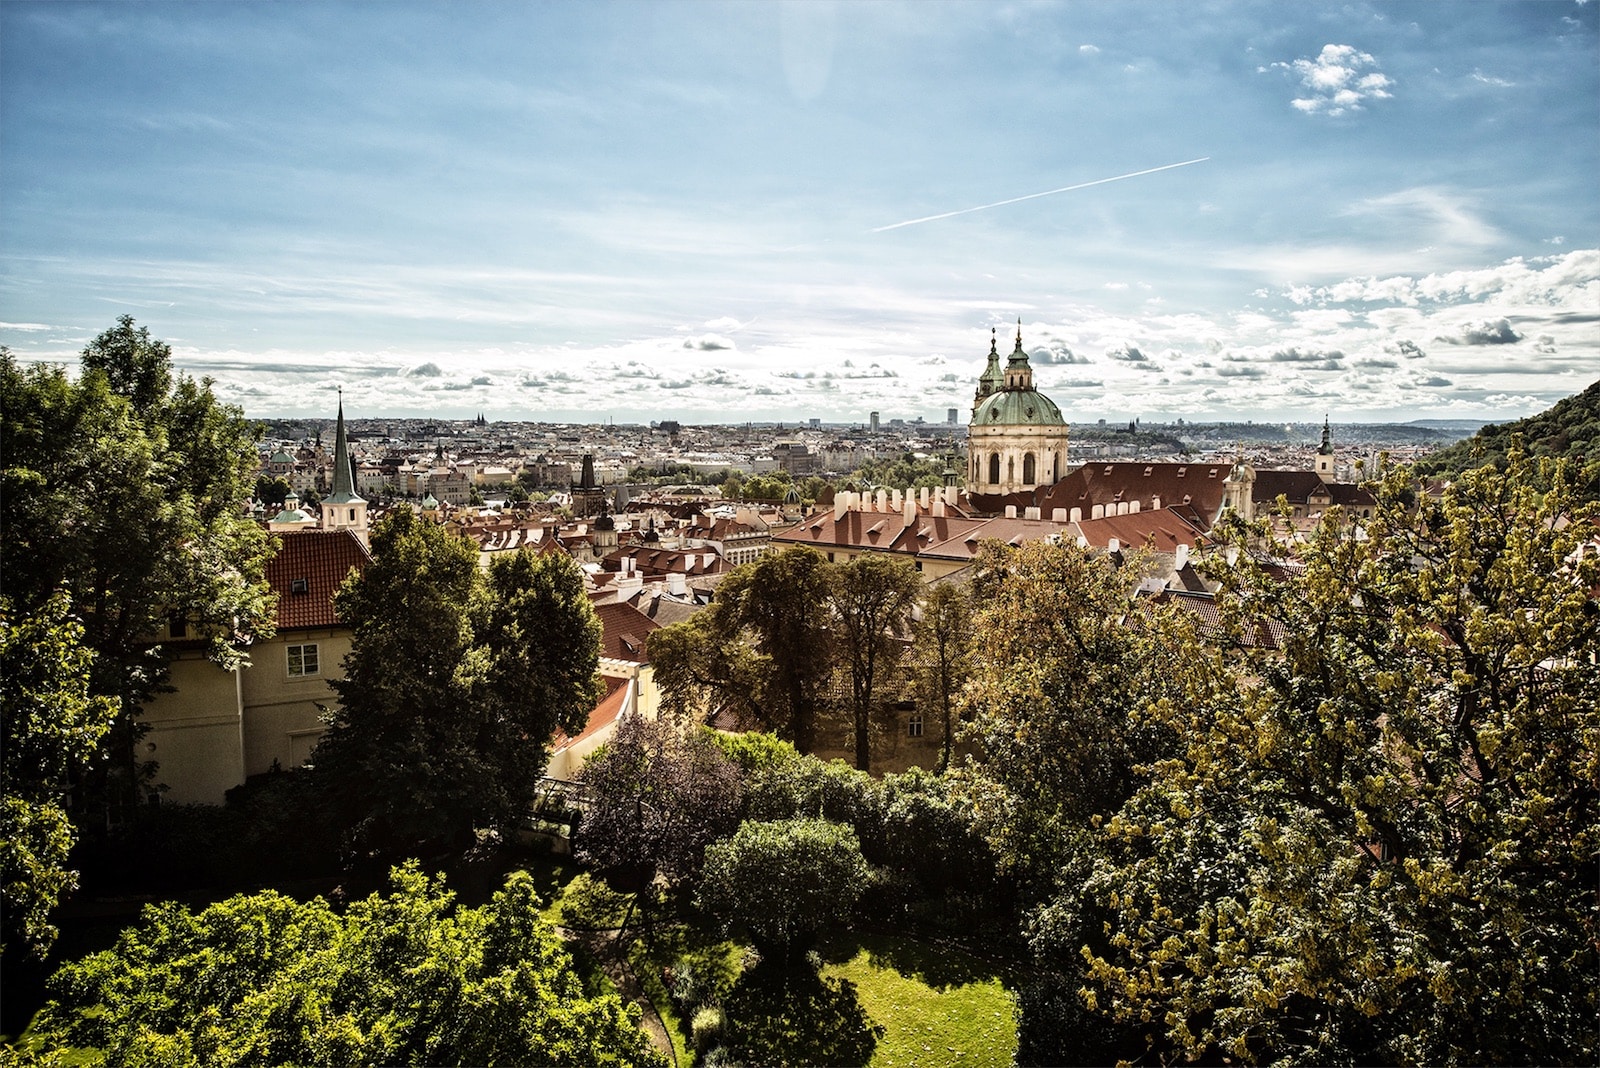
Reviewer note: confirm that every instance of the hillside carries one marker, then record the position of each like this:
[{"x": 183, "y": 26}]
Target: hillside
[{"x": 1570, "y": 428}]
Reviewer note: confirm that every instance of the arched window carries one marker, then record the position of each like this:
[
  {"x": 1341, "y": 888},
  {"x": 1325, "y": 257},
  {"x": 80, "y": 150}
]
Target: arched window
[
  {"x": 1027, "y": 469},
  {"x": 994, "y": 467}
]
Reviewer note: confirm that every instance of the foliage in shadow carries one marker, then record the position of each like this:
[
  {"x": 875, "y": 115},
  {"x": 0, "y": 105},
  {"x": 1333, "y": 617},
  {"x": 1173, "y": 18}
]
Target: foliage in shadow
[{"x": 793, "y": 1016}]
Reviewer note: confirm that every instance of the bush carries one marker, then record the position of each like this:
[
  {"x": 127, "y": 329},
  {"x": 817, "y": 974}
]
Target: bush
[{"x": 707, "y": 1027}]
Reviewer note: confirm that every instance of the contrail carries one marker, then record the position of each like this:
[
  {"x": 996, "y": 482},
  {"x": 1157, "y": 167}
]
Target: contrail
[{"x": 1032, "y": 196}]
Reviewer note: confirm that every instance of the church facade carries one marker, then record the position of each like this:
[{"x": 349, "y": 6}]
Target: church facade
[{"x": 1017, "y": 440}]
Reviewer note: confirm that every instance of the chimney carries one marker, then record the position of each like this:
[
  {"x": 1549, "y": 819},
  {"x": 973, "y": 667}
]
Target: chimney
[
  {"x": 1180, "y": 557},
  {"x": 711, "y": 561},
  {"x": 1075, "y": 516},
  {"x": 882, "y": 504},
  {"x": 1133, "y": 508},
  {"x": 1011, "y": 511},
  {"x": 627, "y": 564},
  {"x": 1155, "y": 503},
  {"x": 938, "y": 508},
  {"x": 677, "y": 585},
  {"x": 1058, "y": 515},
  {"x": 841, "y": 505},
  {"x": 923, "y": 497},
  {"x": 1113, "y": 546},
  {"x": 1031, "y": 513},
  {"x": 910, "y": 512},
  {"x": 1097, "y": 512},
  {"x": 894, "y": 500}
]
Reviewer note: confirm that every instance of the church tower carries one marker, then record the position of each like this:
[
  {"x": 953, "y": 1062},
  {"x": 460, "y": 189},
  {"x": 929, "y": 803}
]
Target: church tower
[
  {"x": 1017, "y": 440},
  {"x": 1325, "y": 453},
  {"x": 343, "y": 509},
  {"x": 1239, "y": 489}
]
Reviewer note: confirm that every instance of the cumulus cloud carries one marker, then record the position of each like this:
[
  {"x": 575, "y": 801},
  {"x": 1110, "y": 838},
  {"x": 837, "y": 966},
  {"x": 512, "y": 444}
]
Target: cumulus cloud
[
  {"x": 1127, "y": 353},
  {"x": 1546, "y": 345},
  {"x": 1055, "y": 353},
  {"x": 1240, "y": 372},
  {"x": 1328, "y": 360},
  {"x": 425, "y": 370},
  {"x": 1434, "y": 380},
  {"x": 1341, "y": 78},
  {"x": 708, "y": 343},
  {"x": 1088, "y": 50},
  {"x": 1376, "y": 363},
  {"x": 1407, "y": 348},
  {"x": 1487, "y": 332}
]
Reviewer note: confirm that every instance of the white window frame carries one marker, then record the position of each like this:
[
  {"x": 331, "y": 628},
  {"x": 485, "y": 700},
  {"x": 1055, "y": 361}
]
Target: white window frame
[
  {"x": 297, "y": 659},
  {"x": 914, "y": 725}
]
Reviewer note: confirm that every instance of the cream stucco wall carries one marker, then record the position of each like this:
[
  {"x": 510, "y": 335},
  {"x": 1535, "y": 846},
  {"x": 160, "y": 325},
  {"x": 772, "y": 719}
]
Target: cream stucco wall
[
  {"x": 281, "y": 719},
  {"x": 194, "y": 732}
]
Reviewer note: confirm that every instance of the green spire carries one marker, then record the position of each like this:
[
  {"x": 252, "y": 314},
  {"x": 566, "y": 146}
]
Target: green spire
[{"x": 344, "y": 479}]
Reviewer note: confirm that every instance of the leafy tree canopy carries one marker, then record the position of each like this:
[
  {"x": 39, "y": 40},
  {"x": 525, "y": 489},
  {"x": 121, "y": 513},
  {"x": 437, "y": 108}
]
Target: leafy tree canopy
[
  {"x": 453, "y": 687},
  {"x": 655, "y": 799},
  {"x": 53, "y": 727},
  {"x": 1377, "y": 842},
  {"x": 403, "y": 978},
  {"x": 1569, "y": 429},
  {"x": 783, "y": 880}
]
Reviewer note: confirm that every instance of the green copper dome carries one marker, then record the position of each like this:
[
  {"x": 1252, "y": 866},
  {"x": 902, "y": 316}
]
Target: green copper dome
[{"x": 1017, "y": 407}]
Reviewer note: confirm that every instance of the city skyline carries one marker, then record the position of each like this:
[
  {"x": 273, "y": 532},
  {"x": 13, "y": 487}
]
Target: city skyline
[{"x": 721, "y": 213}]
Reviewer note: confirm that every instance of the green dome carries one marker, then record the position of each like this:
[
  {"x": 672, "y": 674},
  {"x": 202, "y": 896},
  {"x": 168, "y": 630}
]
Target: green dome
[{"x": 1017, "y": 407}]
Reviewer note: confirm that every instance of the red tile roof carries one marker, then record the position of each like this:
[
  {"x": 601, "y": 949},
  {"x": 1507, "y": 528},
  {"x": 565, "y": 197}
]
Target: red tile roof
[
  {"x": 625, "y": 631},
  {"x": 604, "y": 713},
  {"x": 306, "y": 570}
]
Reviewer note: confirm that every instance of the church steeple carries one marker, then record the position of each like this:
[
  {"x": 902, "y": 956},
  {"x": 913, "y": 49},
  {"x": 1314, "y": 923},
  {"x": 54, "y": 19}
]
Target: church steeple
[
  {"x": 1019, "y": 372},
  {"x": 992, "y": 379},
  {"x": 1325, "y": 453},
  {"x": 344, "y": 509}
]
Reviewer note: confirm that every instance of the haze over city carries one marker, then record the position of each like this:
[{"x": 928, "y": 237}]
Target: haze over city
[{"x": 714, "y": 212}]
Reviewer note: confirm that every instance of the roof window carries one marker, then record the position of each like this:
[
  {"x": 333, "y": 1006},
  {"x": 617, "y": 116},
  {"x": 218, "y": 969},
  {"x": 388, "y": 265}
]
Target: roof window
[{"x": 300, "y": 585}]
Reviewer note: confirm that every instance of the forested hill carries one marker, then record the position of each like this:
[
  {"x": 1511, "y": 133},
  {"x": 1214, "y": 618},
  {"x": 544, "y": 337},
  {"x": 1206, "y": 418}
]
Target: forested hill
[{"x": 1570, "y": 428}]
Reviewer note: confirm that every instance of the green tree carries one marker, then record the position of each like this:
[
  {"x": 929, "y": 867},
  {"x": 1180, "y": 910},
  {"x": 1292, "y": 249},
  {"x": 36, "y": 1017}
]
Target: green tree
[
  {"x": 761, "y": 649},
  {"x": 1058, "y": 674},
  {"x": 1376, "y": 844},
  {"x": 453, "y": 686},
  {"x": 124, "y": 489},
  {"x": 403, "y": 978},
  {"x": 271, "y": 490},
  {"x": 784, "y": 881},
  {"x": 871, "y": 597},
  {"x": 52, "y": 727},
  {"x": 940, "y": 650}
]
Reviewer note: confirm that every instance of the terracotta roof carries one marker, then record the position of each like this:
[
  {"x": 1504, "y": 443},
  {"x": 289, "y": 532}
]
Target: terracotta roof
[
  {"x": 601, "y": 716},
  {"x": 1161, "y": 530},
  {"x": 625, "y": 631},
  {"x": 306, "y": 570}
]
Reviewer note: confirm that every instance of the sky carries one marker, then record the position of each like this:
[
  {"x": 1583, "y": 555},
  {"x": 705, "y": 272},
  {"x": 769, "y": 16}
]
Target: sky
[{"x": 644, "y": 211}]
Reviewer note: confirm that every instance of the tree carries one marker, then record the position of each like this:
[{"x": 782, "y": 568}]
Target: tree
[
  {"x": 940, "y": 651},
  {"x": 655, "y": 798},
  {"x": 125, "y": 489},
  {"x": 783, "y": 881},
  {"x": 52, "y": 727},
  {"x": 1376, "y": 844},
  {"x": 453, "y": 687},
  {"x": 871, "y": 596},
  {"x": 407, "y": 978},
  {"x": 271, "y": 490},
  {"x": 1058, "y": 675},
  {"x": 761, "y": 649}
]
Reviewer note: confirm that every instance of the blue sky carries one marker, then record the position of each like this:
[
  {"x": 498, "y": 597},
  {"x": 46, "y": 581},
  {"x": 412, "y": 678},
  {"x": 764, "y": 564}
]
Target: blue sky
[{"x": 642, "y": 211}]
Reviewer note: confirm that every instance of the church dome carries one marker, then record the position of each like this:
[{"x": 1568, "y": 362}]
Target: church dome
[{"x": 1017, "y": 407}]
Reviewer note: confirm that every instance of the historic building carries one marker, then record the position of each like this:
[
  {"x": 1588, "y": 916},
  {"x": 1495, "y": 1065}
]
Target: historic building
[{"x": 1017, "y": 440}]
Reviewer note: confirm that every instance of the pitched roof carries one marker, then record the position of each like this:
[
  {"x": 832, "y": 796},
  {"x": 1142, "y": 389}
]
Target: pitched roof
[
  {"x": 306, "y": 570},
  {"x": 625, "y": 630}
]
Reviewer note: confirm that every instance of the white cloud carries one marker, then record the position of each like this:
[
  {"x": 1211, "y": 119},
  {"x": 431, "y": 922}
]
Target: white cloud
[{"x": 1336, "y": 81}]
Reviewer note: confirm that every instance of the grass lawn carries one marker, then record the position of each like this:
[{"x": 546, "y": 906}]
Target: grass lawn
[{"x": 937, "y": 1006}]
